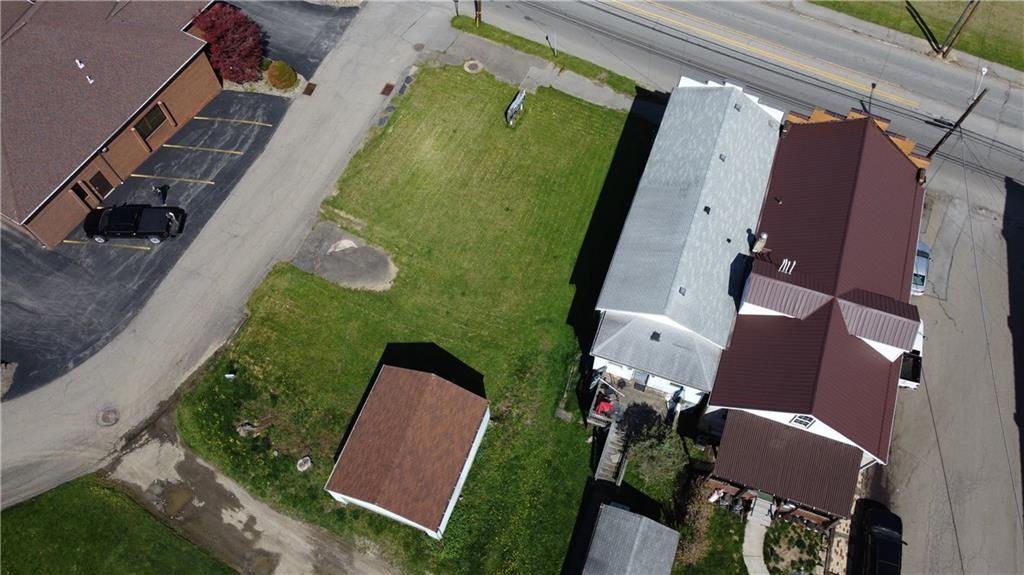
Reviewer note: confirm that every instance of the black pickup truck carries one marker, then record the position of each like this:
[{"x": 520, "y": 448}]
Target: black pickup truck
[{"x": 155, "y": 223}]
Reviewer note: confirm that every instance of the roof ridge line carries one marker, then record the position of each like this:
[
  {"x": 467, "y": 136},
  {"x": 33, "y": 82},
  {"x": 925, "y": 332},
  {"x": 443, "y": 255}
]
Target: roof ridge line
[
  {"x": 821, "y": 351},
  {"x": 853, "y": 195},
  {"x": 701, "y": 188}
]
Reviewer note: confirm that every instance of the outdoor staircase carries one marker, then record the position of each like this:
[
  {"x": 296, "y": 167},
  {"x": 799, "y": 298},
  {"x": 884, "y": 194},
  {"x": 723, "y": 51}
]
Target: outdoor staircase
[{"x": 612, "y": 465}]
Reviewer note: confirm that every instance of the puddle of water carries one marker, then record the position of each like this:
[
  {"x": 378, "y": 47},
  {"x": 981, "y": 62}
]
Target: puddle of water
[{"x": 175, "y": 499}]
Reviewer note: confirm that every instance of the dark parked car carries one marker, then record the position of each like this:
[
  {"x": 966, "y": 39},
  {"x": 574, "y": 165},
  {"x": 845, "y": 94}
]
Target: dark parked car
[
  {"x": 155, "y": 223},
  {"x": 883, "y": 542}
]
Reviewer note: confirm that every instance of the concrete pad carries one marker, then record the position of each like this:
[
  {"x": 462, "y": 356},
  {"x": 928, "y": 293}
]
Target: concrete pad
[{"x": 344, "y": 259}]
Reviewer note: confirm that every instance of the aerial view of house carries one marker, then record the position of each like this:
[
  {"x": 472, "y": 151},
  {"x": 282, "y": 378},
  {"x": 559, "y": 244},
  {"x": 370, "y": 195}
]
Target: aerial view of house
[
  {"x": 696, "y": 250},
  {"x": 410, "y": 448},
  {"x": 88, "y": 109}
]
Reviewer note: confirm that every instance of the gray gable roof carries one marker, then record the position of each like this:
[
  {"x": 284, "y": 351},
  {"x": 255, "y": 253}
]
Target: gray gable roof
[
  {"x": 674, "y": 354},
  {"x": 701, "y": 191},
  {"x": 625, "y": 543}
]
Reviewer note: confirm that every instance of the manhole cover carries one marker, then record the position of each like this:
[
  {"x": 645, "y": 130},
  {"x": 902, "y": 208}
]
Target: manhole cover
[
  {"x": 472, "y": 66},
  {"x": 108, "y": 417},
  {"x": 309, "y": 89},
  {"x": 387, "y": 89},
  {"x": 417, "y": 47}
]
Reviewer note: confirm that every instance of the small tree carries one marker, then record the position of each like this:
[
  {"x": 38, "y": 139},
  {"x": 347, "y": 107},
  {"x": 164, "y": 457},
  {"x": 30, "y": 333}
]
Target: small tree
[{"x": 236, "y": 42}]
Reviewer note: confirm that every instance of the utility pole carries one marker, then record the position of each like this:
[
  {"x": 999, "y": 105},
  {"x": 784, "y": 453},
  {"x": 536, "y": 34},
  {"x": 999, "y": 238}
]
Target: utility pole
[
  {"x": 954, "y": 32},
  {"x": 871, "y": 96},
  {"x": 956, "y": 125},
  {"x": 479, "y": 5},
  {"x": 456, "y": 8}
]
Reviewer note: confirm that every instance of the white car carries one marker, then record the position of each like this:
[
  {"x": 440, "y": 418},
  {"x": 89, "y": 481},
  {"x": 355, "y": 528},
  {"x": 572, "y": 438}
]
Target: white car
[{"x": 917, "y": 281}]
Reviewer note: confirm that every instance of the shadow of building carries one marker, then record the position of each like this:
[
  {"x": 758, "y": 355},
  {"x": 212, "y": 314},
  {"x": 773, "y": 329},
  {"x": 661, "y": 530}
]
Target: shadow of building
[
  {"x": 420, "y": 356},
  {"x": 1013, "y": 234},
  {"x": 595, "y": 255}
]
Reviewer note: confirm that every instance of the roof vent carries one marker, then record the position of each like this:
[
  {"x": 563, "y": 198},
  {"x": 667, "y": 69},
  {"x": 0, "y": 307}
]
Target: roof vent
[
  {"x": 682, "y": 290},
  {"x": 655, "y": 336},
  {"x": 759, "y": 244},
  {"x": 79, "y": 63},
  {"x": 787, "y": 266},
  {"x": 736, "y": 106},
  {"x": 89, "y": 79},
  {"x": 721, "y": 157},
  {"x": 778, "y": 200},
  {"x": 707, "y": 210}
]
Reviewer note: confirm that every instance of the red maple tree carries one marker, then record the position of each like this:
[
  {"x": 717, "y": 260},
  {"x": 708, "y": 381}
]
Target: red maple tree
[{"x": 236, "y": 42}]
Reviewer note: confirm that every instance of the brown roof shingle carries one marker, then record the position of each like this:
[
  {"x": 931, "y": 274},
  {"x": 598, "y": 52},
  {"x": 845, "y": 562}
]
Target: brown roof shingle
[
  {"x": 844, "y": 203},
  {"x": 53, "y": 119},
  {"x": 787, "y": 462},
  {"x": 409, "y": 444}
]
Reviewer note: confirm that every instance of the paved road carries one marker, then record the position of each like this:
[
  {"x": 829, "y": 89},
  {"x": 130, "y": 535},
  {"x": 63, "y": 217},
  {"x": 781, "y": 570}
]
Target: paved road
[
  {"x": 792, "y": 61},
  {"x": 955, "y": 473},
  {"x": 67, "y": 428}
]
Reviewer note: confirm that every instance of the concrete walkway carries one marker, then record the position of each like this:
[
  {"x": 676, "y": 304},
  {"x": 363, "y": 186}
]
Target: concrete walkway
[
  {"x": 757, "y": 524},
  {"x": 530, "y": 72},
  {"x": 72, "y": 426}
]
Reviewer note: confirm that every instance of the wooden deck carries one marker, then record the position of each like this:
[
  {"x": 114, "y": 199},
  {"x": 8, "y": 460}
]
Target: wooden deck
[{"x": 623, "y": 393}]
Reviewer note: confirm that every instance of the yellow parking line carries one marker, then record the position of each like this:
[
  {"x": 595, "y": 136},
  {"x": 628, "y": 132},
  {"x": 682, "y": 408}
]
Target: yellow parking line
[
  {"x": 233, "y": 120},
  {"x": 860, "y": 86},
  {"x": 186, "y": 180},
  {"x": 125, "y": 246},
  {"x": 200, "y": 149}
]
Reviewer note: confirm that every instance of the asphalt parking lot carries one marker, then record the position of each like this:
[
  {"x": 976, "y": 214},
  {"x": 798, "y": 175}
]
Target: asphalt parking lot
[
  {"x": 60, "y": 306},
  {"x": 300, "y": 33}
]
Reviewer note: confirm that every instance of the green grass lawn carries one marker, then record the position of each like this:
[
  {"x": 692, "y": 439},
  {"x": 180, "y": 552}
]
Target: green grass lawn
[
  {"x": 725, "y": 549},
  {"x": 484, "y": 223},
  {"x": 582, "y": 67},
  {"x": 87, "y": 527},
  {"x": 995, "y": 32}
]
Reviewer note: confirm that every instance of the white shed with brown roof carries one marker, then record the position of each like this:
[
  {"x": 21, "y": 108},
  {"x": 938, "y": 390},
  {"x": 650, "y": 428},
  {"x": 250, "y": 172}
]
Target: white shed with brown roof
[{"x": 410, "y": 449}]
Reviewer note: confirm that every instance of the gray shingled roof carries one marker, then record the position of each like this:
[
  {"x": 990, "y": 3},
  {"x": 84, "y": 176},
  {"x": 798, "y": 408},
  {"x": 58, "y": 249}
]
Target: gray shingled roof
[
  {"x": 670, "y": 240},
  {"x": 674, "y": 354},
  {"x": 625, "y": 543}
]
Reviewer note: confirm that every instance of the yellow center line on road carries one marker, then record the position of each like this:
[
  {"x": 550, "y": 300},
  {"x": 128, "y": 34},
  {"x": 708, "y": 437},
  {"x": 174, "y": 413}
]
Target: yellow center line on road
[
  {"x": 125, "y": 246},
  {"x": 233, "y": 120},
  {"x": 169, "y": 178},
  {"x": 860, "y": 86},
  {"x": 201, "y": 149}
]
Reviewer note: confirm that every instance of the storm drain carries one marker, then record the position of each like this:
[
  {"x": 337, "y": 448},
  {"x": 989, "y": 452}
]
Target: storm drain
[{"x": 387, "y": 89}]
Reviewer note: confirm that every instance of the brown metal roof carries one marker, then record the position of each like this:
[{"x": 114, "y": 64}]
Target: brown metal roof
[
  {"x": 767, "y": 290},
  {"x": 787, "y": 462},
  {"x": 877, "y": 325},
  {"x": 53, "y": 119},
  {"x": 409, "y": 444},
  {"x": 845, "y": 205}
]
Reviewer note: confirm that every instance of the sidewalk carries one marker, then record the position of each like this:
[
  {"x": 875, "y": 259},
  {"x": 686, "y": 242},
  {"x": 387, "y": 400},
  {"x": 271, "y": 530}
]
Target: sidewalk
[
  {"x": 530, "y": 72},
  {"x": 72, "y": 426}
]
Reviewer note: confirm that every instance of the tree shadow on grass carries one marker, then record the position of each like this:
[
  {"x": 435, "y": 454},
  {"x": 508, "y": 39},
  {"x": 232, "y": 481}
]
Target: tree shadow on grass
[{"x": 606, "y": 223}]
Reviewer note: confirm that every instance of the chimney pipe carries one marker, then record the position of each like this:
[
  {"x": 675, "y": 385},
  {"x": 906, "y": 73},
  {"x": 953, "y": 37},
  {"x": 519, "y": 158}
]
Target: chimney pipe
[{"x": 759, "y": 244}]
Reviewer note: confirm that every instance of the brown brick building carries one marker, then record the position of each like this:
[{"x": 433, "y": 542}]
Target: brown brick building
[{"x": 89, "y": 91}]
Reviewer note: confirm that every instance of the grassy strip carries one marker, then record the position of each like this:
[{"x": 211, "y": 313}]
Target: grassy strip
[
  {"x": 725, "y": 550},
  {"x": 567, "y": 61},
  {"x": 484, "y": 223},
  {"x": 995, "y": 32},
  {"x": 87, "y": 527}
]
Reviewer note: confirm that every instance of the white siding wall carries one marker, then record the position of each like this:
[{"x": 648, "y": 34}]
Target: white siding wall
[
  {"x": 751, "y": 309},
  {"x": 888, "y": 352},
  {"x": 613, "y": 368},
  {"x": 465, "y": 471},
  {"x": 690, "y": 395}
]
